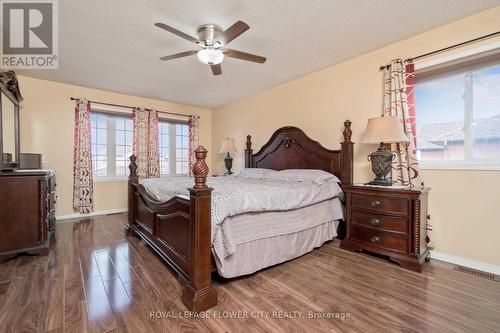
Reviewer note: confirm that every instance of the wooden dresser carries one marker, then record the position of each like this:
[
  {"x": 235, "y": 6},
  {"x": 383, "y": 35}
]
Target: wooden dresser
[
  {"x": 388, "y": 221},
  {"x": 27, "y": 212}
]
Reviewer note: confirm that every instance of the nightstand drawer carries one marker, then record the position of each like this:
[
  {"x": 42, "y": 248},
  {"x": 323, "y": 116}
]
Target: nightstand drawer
[
  {"x": 382, "y": 222},
  {"x": 378, "y": 239},
  {"x": 380, "y": 203}
]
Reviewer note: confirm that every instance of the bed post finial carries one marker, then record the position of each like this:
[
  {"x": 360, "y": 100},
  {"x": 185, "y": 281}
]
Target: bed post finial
[
  {"x": 200, "y": 168},
  {"x": 347, "y": 155},
  {"x": 133, "y": 166},
  {"x": 249, "y": 142},
  {"x": 347, "y": 131},
  {"x": 248, "y": 152}
]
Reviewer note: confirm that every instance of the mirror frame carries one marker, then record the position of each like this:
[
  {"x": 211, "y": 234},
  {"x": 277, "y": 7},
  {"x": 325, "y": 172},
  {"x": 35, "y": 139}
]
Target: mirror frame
[{"x": 9, "y": 88}]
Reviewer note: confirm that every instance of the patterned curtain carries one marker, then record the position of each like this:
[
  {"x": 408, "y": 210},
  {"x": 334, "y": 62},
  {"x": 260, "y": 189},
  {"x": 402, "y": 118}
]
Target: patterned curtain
[
  {"x": 399, "y": 101},
  {"x": 146, "y": 142},
  {"x": 83, "y": 185},
  {"x": 194, "y": 122}
]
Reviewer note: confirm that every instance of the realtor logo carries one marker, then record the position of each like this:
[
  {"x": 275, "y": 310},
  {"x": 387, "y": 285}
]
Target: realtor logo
[{"x": 29, "y": 34}]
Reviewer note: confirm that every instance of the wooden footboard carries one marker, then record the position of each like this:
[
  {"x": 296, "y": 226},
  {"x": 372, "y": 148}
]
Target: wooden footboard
[{"x": 178, "y": 231}]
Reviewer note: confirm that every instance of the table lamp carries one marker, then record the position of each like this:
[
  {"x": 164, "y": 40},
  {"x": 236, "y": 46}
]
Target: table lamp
[
  {"x": 383, "y": 130},
  {"x": 227, "y": 146}
]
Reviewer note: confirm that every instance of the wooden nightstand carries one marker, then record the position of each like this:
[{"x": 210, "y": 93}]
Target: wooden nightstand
[{"x": 388, "y": 221}]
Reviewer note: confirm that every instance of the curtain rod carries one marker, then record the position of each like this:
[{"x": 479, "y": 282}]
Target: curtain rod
[
  {"x": 446, "y": 48},
  {"x": 130, "y": 107}
]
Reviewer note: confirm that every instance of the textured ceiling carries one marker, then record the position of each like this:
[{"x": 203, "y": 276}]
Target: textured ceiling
[{"x": 113, "y": 45}]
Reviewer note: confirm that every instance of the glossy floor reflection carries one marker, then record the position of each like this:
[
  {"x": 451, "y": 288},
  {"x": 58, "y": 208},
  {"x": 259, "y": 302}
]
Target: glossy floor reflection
[{"x": 95, "y": 280}]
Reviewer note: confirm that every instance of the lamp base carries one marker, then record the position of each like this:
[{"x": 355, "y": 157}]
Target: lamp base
[
  {"x": 379, "y": 183},
  {"x": 381, "y": 166},
  {"x": 228, "y": 161}
]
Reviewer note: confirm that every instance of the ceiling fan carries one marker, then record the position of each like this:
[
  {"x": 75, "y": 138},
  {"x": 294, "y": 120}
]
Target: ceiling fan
[{"x": 212, "y": 40}]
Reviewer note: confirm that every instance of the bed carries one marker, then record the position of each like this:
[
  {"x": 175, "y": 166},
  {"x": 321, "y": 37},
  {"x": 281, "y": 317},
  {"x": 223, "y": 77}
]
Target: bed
[{"x": 246, "y": 223}]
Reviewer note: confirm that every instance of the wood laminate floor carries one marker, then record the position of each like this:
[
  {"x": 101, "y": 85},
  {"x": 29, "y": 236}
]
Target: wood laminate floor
[{"x": 95, "y": 280}]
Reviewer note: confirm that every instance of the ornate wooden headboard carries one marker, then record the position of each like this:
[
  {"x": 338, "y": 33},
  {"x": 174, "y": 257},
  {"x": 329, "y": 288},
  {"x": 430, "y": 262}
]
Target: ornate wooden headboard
[{"x": 290, "y": 148}]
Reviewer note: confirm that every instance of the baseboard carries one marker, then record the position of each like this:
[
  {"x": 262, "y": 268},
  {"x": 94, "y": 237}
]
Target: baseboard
[
  {"x": 481, "y": 266},
  {"x": 100, "y": 212}
]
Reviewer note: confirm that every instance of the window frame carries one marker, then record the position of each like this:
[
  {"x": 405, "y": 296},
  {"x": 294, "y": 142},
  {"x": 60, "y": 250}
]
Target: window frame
[{"x": 469, "y": 162}]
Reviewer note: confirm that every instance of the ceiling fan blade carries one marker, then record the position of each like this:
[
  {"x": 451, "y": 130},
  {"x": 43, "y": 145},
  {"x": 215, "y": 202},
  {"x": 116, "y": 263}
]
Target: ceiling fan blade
[
  {"x": 216, "y": 69},
  {"x": 244, "y": 56},
  {"x": 179, "y": 55},
  {"x": 177, "y": 32},
  {"x": 233, "y": 31}
]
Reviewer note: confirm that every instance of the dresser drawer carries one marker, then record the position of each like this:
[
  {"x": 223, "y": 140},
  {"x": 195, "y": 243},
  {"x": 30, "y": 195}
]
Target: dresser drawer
[
  {"x": 380, "y": 203},
  {"x": 382, "y": 222},
  {"x": 378, "y": 239}
]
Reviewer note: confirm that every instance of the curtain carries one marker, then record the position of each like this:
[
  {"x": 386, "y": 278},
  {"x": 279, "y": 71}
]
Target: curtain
[
  {"x": 399, "y": 101},
  {"x": 83, "y": 190},
  {"x": 146, "y": 142},
  {"x": 194, "y": 122}
]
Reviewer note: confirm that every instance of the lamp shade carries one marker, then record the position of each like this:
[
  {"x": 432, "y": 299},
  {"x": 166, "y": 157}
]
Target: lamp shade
[
  {"x": 384, "y": 129},
  {"x": 227, "y": 146}
]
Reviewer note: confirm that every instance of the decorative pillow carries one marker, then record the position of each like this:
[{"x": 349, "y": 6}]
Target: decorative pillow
[
  {"x": 303, "y": 175},
  {"x": 255, "y": 173}
]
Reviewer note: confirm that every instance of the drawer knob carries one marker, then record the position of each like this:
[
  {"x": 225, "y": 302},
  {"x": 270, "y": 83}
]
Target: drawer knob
[
  {"x": 374, "y": 221},
  {"x": 375, "y": 239},
  {"x": 375, "y": 203}
]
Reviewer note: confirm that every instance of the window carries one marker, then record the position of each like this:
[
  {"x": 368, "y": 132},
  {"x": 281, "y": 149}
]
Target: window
[
  {"x": 181, "y": 149},
  {"x": 111, "y": 144},
  {"x": 164, "y": 150},
  {"x": 458, "y": 115},
  {"x": 173, "y": 140},
  {"x": 124, "y": 144}
]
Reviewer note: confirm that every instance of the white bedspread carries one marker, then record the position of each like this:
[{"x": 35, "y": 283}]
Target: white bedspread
[{"x": 238, "y": 195}]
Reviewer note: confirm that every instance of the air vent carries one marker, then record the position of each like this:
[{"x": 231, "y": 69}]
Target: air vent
[
  {"x": 475, "y": 272},
  {"x": 4, "y": 287}
]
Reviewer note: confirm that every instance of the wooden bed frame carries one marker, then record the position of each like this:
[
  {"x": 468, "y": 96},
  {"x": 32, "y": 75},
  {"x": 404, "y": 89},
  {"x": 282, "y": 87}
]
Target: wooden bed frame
[{"x": 179, "y": 230}]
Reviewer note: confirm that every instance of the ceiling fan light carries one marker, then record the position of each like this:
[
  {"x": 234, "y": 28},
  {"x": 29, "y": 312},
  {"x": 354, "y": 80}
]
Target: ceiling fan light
[{"x": 210, "y": 56}]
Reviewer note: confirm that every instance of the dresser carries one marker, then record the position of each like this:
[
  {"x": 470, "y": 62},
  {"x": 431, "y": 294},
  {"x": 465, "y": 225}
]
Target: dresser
[
  {"x": 27, "y": 212},
  {"x": 388, "y": 221}
]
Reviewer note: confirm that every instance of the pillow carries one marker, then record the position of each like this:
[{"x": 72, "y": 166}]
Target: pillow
[
  {"x": 303, "y": 175},
  {"x": 255, "y": 173}
]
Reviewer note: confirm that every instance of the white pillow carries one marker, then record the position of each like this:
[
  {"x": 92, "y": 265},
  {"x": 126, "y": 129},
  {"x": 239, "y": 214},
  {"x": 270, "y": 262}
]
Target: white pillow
[
  {"x": 255, "y": 173},
  {"x": 303, "y": 175}
]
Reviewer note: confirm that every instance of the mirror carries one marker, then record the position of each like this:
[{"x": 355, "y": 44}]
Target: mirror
[
  {"x": 8, "y": 130},
  {"x": 10, "y": 97}
]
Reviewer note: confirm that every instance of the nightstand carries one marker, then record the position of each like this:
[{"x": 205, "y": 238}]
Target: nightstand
[{"x": 388, "y": 221}]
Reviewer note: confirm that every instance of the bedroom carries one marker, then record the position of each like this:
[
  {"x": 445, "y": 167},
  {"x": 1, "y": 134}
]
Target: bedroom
[{"x": 91, "y": 276}]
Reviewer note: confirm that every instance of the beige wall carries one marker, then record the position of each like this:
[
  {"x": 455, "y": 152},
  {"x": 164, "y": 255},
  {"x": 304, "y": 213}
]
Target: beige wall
[
  {"x": 462, "y": 203},
  {"x": 46, "y": 118}
]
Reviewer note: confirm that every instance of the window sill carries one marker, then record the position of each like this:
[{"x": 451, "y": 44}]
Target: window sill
[
  {"x": 125, "y": 179},
  {"x": 461, "y": 165},
  {"x": 110, "y": 179}
]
